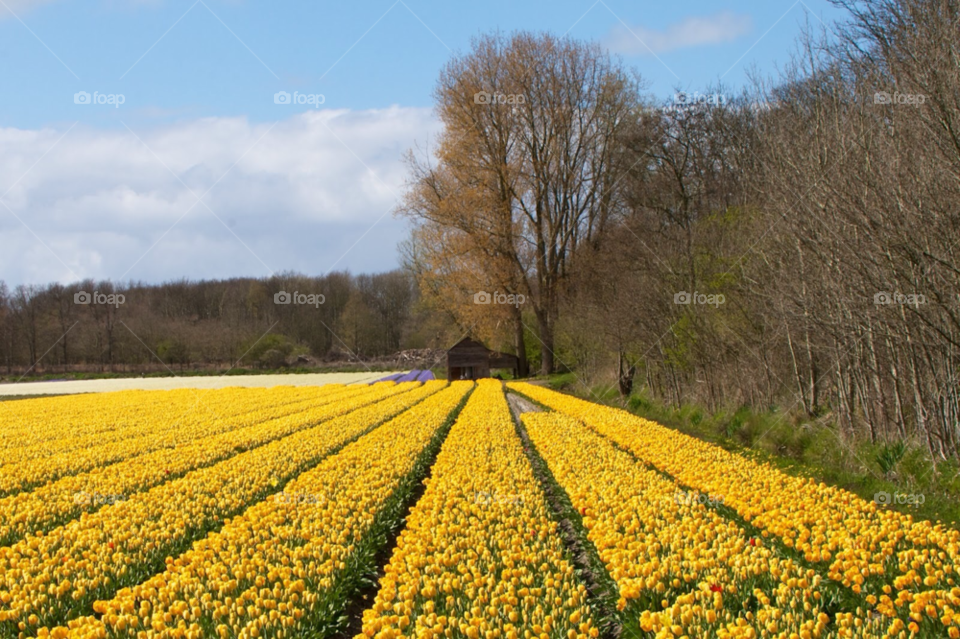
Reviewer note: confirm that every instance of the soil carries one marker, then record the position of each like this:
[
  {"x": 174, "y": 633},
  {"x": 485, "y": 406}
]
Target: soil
[{"x": 568, "y": 532}]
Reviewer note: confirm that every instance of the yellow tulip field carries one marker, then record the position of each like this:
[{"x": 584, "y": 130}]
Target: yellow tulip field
[
  {"x": 480, "y": 553},
  {"x": 434, "y": 509},
  {"x": 887, "y": 574}
]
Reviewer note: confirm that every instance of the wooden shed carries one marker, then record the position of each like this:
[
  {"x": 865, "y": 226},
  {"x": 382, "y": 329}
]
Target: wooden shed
[{"x": 469, "y": 359}]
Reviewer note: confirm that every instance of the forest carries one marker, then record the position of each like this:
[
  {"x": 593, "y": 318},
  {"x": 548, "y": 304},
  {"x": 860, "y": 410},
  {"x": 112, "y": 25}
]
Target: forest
[{"x": 176, "y": 326}]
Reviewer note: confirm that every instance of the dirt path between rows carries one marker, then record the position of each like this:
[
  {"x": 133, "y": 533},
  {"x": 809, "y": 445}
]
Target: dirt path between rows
[
  {"x": 520, "y": 404},
  {"x": 568, "y": 532}
]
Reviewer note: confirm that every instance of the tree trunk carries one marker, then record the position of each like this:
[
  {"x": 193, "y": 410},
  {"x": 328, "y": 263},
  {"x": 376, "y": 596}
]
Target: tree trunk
[
  {"x": 546, "y": 356},
  {"x": 519, "y": 343},
  {"x": 796, "y": 373},
  {"x": 626, "y": 372}
]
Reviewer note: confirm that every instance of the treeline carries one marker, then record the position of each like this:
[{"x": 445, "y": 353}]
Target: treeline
[
  {"x": 104, "y": 326},
  {"x": 793, "y": 245}
]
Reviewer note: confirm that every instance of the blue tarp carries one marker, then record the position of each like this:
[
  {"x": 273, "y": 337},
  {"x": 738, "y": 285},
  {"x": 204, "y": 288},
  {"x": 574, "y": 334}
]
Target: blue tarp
[
  {"x": 416, "y": 375},
  {"x": 388, "y": 378},
  {"x": 410, "y": 377}
]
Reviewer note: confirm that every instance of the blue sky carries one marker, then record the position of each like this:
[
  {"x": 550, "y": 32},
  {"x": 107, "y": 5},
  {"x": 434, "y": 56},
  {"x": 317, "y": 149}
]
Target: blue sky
[{"x": 199, "y": 173}]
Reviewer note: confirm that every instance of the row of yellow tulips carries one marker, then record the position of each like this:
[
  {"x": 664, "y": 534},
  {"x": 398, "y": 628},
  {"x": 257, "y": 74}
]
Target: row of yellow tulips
[
  {"x": 480, "y": 556},
  {"x": 48, "y": 578},
  {"x": 55, "y": 503},
  {"x": 268, "y": 572},
  {"x": 33, "y": 422},
  {"x": 167, "y": 429},
  {"x": 686, "y": 568},
  {"x": 213, "y": 406},
  {"x": 874, "y": 551},
  {"x": 65, "y": 433}
]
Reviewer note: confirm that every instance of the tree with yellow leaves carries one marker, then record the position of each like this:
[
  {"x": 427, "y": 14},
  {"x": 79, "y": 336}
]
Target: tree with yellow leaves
[{"x": 526, "y": 172}]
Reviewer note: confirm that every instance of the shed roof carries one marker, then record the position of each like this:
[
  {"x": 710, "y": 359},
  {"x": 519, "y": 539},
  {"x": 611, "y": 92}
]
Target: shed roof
[{"x": 469, "y": 352}]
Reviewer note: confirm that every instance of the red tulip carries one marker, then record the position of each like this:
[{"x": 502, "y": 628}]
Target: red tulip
[{"x": 715, "y": 588}]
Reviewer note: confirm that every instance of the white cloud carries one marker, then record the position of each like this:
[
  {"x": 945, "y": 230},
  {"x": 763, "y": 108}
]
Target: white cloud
[
  {"x": 690, "y": 32},
  {"x": 298, "y": 198}
]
